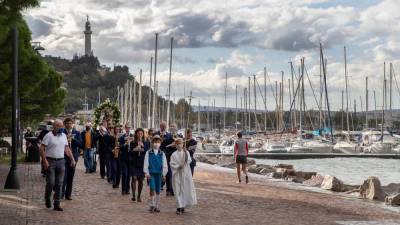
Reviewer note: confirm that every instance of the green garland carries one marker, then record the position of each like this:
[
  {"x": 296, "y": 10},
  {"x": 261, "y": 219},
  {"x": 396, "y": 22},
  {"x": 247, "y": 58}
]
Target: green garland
[{"x": 112, "y": 107}]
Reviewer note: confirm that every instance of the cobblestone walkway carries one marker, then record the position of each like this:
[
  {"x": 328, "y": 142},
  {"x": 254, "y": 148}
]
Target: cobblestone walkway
[{"x": 220, "y": 201}]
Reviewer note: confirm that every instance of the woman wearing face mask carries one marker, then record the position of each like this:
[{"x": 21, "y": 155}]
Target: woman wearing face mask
[
  {"x": 138, "y": 150},
  {"x": 182, "y": 178},
  {"x": 155, "y": 168}
]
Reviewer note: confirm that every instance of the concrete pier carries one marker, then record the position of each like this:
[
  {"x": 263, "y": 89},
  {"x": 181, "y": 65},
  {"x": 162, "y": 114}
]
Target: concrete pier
[{"x": 308, "y": 155}]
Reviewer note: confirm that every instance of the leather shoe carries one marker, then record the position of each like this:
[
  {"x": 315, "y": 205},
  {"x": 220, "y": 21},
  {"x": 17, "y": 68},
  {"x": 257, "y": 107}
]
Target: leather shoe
[
  {"x": 58, "y": 209},
  {"x": 48, "y": 203}
]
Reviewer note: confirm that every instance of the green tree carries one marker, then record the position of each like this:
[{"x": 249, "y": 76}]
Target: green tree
[{"x": 39, "y": 84}]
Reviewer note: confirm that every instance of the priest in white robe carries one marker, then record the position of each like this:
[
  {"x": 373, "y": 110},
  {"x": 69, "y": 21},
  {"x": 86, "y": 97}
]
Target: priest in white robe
[{"x": 182, "y": 180}]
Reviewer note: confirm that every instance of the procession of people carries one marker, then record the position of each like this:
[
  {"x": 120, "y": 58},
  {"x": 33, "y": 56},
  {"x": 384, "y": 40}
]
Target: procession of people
[{"x": 128, "y": 159}]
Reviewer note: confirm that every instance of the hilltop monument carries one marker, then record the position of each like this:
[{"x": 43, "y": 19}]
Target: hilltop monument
[{"x": 88, "y": 38}]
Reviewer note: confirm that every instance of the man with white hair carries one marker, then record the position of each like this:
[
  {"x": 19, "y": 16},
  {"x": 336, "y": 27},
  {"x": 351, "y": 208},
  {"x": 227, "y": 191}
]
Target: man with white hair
[
  {"x": 52, "y": 150},
  {"x": 88, "y": 138}
]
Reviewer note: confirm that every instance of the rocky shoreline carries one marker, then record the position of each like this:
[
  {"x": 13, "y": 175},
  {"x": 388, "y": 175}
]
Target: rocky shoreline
[{"x": 370, "y": 189}]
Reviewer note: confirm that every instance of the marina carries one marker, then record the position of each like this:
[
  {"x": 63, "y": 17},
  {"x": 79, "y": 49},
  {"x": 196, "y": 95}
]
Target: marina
[{"x": 292, "y": 156}]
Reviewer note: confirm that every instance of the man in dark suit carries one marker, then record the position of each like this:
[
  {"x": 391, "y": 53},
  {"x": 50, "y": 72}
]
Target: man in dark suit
[
  {"x": 102, "y": 148},
  {"x": 75, "y": 143},
  {"x": 124, "y": 144}
]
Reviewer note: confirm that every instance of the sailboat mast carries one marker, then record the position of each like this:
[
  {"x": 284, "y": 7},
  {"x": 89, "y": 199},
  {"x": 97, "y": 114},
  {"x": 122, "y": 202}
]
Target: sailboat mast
[
  {"x": 290, "y": 102},
  {"x": 134, "y": 107},
  {"x": 276, "y": 107},
  {"x": 265, "y": 99},
  {"x": 342, "y": 112},
  {"x": 226, "y": 84},
  {"x": 131, "y": 105},
  {"x": 324, "y": 61},
  {"x": 366, "y": 102},
  {"x": 390, "y": 91},
  {"x": 198, "y": 118},
  {"x": 384, "y": 99},
  {"x": 301, "y": 98},
  {"x": 282, "y": 113},
  {"x": 169, "y": 82},
  {"x": 236, "y": 114},
  {"x": 245, "y": 108},
  {"x": 294, "y": 97},
  {"x": 347, "y": 92},
  {"x": 320, "y": 88},
  {"x": 139, "y": 114},
  {"x": 255, "y": 102},
  {"x": 149, "y": 95},
  {"x": 375, "y": 111},
  {"x": 249, "y": 93},
  {"x": 208, "y": 113},
  {"x": 155, "y": 79}
]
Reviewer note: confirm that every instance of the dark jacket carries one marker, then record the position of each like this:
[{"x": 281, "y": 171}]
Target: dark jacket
[
  {"x": 76, "y": 143},
  {"x": 109, "y": 144},
  {"x": 136, "y": 157},
  {"x": 124, "y": 149},
  {"x": 93, "y": 137},
  {"x": 190, "y": 143}
]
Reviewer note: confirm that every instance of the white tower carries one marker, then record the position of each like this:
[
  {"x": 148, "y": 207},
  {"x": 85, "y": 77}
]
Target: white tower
[{"x": 88, "y": 38}]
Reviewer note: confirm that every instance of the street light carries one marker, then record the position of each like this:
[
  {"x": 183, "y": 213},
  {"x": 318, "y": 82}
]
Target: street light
[
  {"x": 12, "y": 181},
  {"x": 36, "y": 46}
]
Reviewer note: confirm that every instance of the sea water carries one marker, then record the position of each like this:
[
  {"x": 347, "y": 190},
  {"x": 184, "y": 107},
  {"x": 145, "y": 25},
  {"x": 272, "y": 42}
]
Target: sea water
[{"x": 350, "y": 170}]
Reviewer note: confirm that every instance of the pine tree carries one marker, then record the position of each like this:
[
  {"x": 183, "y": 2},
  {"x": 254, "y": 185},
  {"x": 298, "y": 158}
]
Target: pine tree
[{"x": 40, "y": 89}]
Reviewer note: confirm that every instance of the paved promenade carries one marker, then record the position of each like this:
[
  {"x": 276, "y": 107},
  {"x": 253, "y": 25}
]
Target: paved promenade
[{"x": 221, "y": 201}]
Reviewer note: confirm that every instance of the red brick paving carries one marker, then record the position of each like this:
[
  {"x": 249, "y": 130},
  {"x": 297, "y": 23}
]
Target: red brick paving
[{"x": 220, "y": 201}]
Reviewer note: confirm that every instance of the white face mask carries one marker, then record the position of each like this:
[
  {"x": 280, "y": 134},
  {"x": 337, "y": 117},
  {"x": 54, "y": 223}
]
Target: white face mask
[
  {"x": 179, "y": 147},
  {"x": 156, "y": 145}
]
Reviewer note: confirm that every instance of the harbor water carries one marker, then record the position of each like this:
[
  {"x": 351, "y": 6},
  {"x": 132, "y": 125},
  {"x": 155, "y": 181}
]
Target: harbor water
[{"x": 350, "y": 170}]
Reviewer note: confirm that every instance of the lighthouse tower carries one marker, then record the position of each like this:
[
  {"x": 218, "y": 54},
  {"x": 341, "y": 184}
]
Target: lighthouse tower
[{"x": 88, "y": 38}]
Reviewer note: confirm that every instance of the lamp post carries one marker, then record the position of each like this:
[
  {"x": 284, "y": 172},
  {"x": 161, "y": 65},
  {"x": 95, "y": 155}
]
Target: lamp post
[
  {"x": 12, "y": 181},
  {"x": 36, "y": 46}
]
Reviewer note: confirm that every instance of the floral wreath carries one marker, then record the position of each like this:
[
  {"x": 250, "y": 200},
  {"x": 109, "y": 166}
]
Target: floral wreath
[{"x": 109, "y": 109}]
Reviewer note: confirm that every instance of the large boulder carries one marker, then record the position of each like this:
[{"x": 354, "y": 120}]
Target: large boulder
[
  {"x": 229, "y": 165},
  {"x": 372, "y": 189},
  {"x": 266, "y": 169},
  {"x": 261, "y": 169},
  {"x": 393, "y": 199},
  {"x": 204, "y": 159},
  {"x": 254, "y": 169},
  {"x": 305, "y": 175},
  {"x": 315, "y": 181},
  {"x": 277, "y": 175},
  {"x": 286, "y": 171},
  {"x": 392, "y": 188},
  {"x": 285, "y": 166},
  {"x": 332, "y": 183},
  {"x": 294, "y": 179},
  {"x": 251, "y": 162}
]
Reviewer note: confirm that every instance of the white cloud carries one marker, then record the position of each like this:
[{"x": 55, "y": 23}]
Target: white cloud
[{"x": 123, "y": 32}]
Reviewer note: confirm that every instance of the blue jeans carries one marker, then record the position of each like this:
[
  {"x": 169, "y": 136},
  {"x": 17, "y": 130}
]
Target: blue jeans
[{"x": 88, "y": 158}]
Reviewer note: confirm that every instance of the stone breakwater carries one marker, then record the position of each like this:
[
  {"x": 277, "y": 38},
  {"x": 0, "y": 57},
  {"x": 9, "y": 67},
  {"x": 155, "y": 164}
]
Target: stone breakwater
[{"x": 370, "y": 189}]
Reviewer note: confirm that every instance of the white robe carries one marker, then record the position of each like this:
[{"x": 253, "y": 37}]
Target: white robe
[{"x": 182, "y": 181}]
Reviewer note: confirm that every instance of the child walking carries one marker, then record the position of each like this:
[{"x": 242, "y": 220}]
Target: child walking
[
  {"x": 182, "y": 180},
  {"x": 155, "y": 168}
]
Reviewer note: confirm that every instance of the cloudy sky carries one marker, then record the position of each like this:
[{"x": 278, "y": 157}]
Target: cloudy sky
[{"x": 235, "y": 37}]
